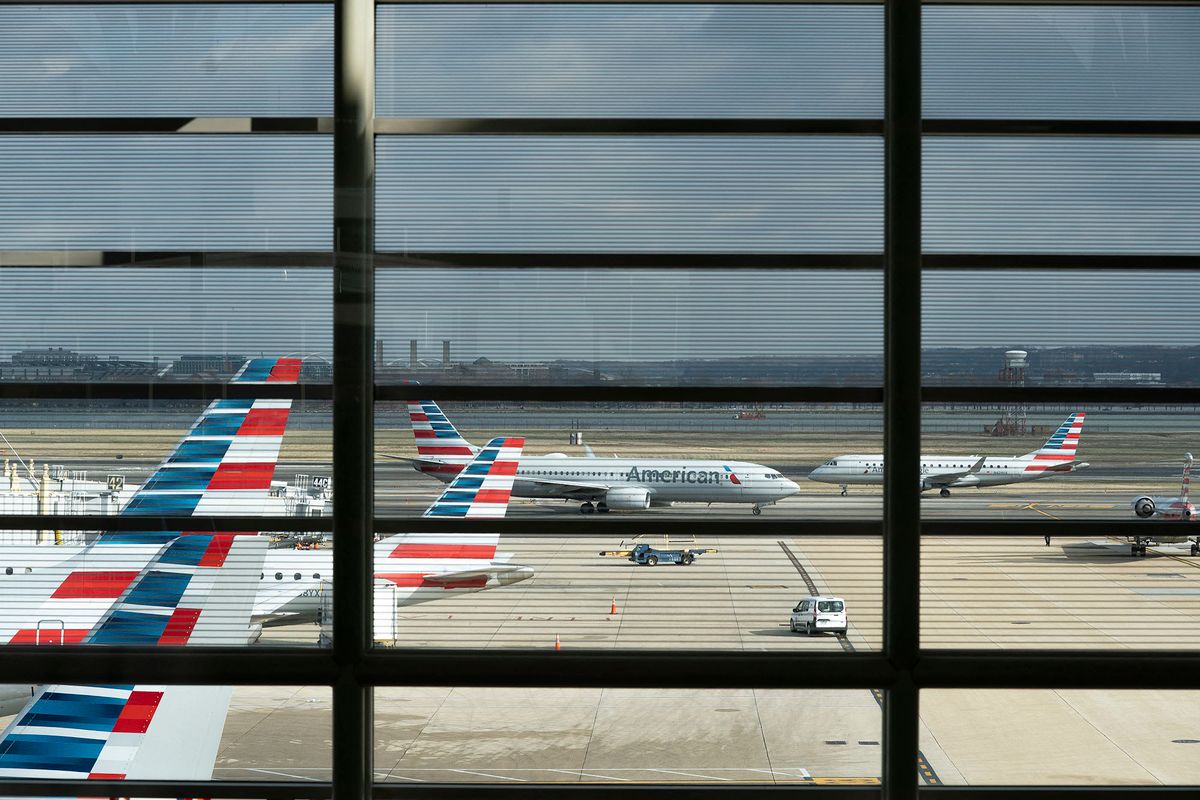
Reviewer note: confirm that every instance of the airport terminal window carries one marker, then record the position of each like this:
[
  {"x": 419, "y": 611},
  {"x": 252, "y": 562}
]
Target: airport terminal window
[{"x": 731, "y": 215}]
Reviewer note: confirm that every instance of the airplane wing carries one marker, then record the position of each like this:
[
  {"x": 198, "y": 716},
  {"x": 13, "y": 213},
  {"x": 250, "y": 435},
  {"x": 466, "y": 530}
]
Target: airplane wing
[
  {"x": 571, "y": 489},
  {"x": 935, "y": 480}
]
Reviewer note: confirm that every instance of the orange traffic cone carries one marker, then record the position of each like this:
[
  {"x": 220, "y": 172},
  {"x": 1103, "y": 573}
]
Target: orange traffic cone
[
  {"x": 614, "y": 605},
  {"x": 557, "y": 643}
]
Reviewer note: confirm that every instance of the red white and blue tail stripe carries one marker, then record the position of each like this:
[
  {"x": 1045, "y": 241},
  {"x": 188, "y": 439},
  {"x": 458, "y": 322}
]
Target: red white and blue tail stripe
[
  {"x": 483, "y": 488},
  {"x": 1059, "y": 450},
  {"x": 435, "y": 434}
]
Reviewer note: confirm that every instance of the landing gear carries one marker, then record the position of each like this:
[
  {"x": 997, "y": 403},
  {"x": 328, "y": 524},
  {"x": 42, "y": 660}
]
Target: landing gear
[
  {"x": 755, "y": 510},
  {"x": 586, "y": 508},
  {"x": 1137, "y": 549},
  {"x": 1195, "y": 549},
  {"x": 944, "y": 492},
  {"x": 843, "y": 490}
]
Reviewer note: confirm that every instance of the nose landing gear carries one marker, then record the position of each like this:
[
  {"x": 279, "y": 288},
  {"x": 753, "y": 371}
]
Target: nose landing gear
[
  {"x": 843, "y": 490},
  {"x": 944, "y": 492}
]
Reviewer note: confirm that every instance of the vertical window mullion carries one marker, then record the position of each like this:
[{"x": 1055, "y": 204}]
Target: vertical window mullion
[
  {"x": 902, "y": 389},
  {"x": 353, "y": 390}
]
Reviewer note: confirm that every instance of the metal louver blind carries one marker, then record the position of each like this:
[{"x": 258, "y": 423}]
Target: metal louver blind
[
  {"x": 629, "y": 61},
  {"x": 169, "y": 192},
  {"x": 1056, "y": 62},
  {"x": 1061, "y": 195},
  {"x": 629, "y": 193},
  {"x": 155, "y": 61}
]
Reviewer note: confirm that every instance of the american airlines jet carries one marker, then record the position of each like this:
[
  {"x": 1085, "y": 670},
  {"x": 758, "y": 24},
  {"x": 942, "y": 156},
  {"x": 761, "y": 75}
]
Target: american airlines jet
[
  {"x": 601, "y": 484},
  {"x": 944, "y": 473},
  {"x": 1178, "y": 508}
]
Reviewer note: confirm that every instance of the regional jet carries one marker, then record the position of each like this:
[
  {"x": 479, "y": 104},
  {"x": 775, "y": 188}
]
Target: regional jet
[
  {"x": 1055, "y": 457},
  {"x": 600, "y": 484},
  {"x": 1167, "y": 508}
]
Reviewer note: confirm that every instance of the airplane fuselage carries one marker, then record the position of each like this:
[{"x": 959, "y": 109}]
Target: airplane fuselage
[
  {"x": 868, "y": 470},
  {"x": 665, "y": 481}
]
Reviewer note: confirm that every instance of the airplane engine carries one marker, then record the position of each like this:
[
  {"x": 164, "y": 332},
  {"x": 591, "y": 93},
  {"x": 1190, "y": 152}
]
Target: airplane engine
[
  {"x": 1144, "y": 507},
  {"x": 628, "y": 497}
]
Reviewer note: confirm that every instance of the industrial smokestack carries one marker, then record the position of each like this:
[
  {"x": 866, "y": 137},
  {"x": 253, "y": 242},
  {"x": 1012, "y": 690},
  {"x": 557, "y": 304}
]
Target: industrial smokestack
[
  {"x": 445, "y": 354},
  {"x": 412, "y": 353}
]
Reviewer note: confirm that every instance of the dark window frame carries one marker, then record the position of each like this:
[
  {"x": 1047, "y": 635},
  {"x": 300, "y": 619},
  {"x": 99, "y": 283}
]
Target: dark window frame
[{"x": 352, "y": 667}]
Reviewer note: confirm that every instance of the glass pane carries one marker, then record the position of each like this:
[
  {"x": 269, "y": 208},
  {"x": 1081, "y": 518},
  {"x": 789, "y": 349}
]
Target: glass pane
[
  {"x": 155, "y": 732},
  {"x": 1059, "y": 328},
  {"x": 1088, "y": 737},
  {"x": 629, "y": 61},
  {"x": 159, "y": 61},
  {"x": 688, "y": 459},
  {"x": 546, "y": 735},
  {"x": 1061, "y": 62},
  {"x": 1051, "y": 462},
  {"x": 629, "y": 193},
  {"x": 64, "y": 457},
  {"x": 985, "y": 194},
  {"x": 124, "y": 323},
  {"x": 1071, "y": 593},
  {"x": 166, "y": 192},
  {"x": 647, "y": 591},
  {"x": 634, "y": 327}
]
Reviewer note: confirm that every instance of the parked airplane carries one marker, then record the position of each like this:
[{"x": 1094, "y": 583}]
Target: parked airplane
[
  {"x": 601, "y": 484},
  {"x": 150, "y": 589},
  {"x": 420, "y": 567},
  {"x": 1168, "y": 508},
  {"x": 944, "y": 473}
]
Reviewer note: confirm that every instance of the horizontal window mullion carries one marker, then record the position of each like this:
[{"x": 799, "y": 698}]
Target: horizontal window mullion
[
  {"x": 200, "y": 666},
  {"x": 148, "y": 523},
  {"x": 1054, "y": 793},
  {"x": 1060, "y": 127},
  {"x": 628, "y": 526},
  {"x": 165, "y": 390},
  {"x": 636, "y": 394},
  {"x": 600, "y": 126},
  {"x": 649, "y": 669},
  {"x": 1038, "y": 527},
  {"x": 207, "y": 125},
  {"x": 260, "y": 790},
  {"x": 469, "y": 791},
  {"x": 1057, "y": 261},
  {"x": 77, "y": 259},
  {"x": 1058, "y": 669},
  {"x": 1082, "y": 396},
  {"x": 726, "y": 262}
]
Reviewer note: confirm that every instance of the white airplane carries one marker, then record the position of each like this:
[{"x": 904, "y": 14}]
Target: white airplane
[
  {"x": 601, "y": 484},
  {"x": 416, "y": 567},
  {"x": 944, "y": 473},
  {"x": 1172, "y": 508}
]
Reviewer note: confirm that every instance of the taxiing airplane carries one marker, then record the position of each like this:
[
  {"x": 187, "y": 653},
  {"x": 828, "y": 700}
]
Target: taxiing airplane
[
  {"x": 416, "y": 567},
  {"x": 944, "y": 473},
  {"x": 601, "y": 484},
  {"x": 1167, "y": 508}
]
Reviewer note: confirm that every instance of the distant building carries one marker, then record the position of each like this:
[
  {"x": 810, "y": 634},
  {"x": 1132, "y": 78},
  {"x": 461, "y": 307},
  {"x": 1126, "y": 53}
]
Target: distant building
[
  {"x": 207, "y": 364},
  {"x": 1126, "y": 378}
]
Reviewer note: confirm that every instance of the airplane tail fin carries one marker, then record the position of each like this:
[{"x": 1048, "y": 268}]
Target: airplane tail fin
[
  {"x": 435, "y": 434},
  {"x": 1184, "y": 490},
  {"x": 1062, "y": 444},
  {"x": 483, "y": 487}
]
